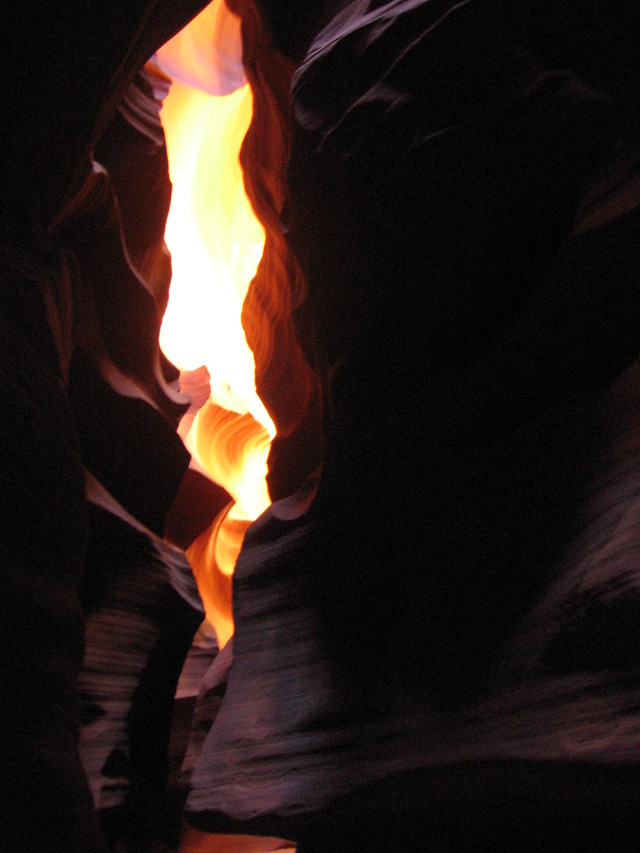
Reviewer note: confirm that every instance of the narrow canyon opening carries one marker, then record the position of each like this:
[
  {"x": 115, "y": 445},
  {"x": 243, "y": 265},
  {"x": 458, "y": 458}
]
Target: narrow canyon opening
[
  {"x": 419, "y": 222},
  {"x": 216, "y": 243}
]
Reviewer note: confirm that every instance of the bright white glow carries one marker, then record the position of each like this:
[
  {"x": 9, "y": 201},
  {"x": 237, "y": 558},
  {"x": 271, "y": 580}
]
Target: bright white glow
[{"x": 215, "y": 242}]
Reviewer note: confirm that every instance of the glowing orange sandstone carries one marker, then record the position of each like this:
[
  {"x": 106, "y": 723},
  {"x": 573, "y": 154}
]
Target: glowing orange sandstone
[{"x": 216, "y": 243}]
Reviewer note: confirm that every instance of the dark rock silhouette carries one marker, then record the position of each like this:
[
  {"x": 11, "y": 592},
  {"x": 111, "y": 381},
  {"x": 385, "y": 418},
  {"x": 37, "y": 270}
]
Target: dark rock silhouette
[
  {"x": 462, "y": 199},
  {"x": 435, "y": 634}
]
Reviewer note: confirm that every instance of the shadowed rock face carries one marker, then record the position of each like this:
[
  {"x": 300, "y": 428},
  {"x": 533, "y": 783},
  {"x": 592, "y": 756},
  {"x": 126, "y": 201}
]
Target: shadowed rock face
[
  {"x": 462, "y": 199},
  {"x": 441, "y": 203},
  {"x": 285, "y": 377},
  {"x": 67, "y": 282},
  {"x": 458, "y": 589},
  {"x": 291, "y": 26}
]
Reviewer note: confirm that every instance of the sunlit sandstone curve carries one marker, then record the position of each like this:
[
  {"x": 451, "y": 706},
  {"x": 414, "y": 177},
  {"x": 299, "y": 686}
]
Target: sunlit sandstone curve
[{"x": 216, "y": 243}]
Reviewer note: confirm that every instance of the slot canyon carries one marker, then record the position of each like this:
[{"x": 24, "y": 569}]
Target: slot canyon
[{"x": 320, "y": 426}]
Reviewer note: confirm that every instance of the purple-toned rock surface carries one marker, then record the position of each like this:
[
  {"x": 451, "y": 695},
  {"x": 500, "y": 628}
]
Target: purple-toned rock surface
[
  {"x": 419, "y": 655},
  {"x": 65, "y": 69},
  {"x": 437, "y": 643}
]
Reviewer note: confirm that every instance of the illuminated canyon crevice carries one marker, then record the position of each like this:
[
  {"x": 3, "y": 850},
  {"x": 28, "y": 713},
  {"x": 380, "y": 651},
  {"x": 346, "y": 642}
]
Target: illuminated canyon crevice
[
  {"x": 436, "y": 636},
  {"x": 395, "y": 631},
  {"x": 216, "y": 243},
  {"x": 226, "y": 261}
]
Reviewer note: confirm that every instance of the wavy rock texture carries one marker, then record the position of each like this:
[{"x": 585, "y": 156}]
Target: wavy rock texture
[
  {"x": 142, "y": 610},
  {"x": 439, "y": 643},
  {"x": 416, "y": 656},
  {"x": 285, "y": 381},
  {"x": 438, "y": 174},
  {"x": 139, "y": 596},
  {"x": 68, "y": 281},
  {"x": 548, "y": 753}
]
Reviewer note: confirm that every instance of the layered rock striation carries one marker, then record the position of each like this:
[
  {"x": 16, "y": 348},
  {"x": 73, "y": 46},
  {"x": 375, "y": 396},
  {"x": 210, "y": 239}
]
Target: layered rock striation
[{"x": 419, "y": 656}]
